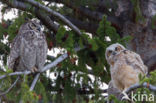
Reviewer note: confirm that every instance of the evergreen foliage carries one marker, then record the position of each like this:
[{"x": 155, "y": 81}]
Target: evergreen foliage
[{"x": 72, "y": 74}]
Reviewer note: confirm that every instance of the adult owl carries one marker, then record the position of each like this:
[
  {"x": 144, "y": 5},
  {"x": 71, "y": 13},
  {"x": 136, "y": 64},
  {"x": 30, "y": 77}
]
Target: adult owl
[
  {"x": 125, "y": 66},
  {"x": 29, "y": 48}
]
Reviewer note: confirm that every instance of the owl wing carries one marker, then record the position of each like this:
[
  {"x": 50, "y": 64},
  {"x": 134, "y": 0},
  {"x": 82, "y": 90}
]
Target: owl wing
[
  {"x": 27, "y": 53},
  {"x": 14, "y": 53},
  {"x": 140, "y": 62},
  {"x": 41, "y": 55},
  {"x": 135, "y": 61}
]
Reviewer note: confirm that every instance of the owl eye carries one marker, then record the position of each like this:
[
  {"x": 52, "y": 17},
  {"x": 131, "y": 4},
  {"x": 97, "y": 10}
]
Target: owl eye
[
  {"x": 109, "y": 53},
  {"x": 118, "y": 48},
  {"x": 31, "y": 35},
  {"x": 33, "y": 26}
]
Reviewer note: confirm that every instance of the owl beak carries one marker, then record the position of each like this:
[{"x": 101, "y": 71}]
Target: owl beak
[
  {"x": 39, "y": 29},
  {"x": 114, "y": 53}
]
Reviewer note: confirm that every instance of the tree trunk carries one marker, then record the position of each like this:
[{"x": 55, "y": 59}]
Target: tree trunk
[{"x": 144, "y": 36}]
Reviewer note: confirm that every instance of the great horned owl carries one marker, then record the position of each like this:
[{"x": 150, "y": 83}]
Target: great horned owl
[
  {"x": 125, "y": 66},
  {"x": 29, "y": 48}
]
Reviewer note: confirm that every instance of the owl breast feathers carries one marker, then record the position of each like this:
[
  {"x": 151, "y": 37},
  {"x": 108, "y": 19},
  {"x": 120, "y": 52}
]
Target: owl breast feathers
[
  {"x": 125, "y": 66},
  {"x": 28, "y": 49}
]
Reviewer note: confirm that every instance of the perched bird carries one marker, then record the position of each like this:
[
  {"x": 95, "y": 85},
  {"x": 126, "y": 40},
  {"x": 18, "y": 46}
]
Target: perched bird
[
  {"x": 125, "y": 66},
  {"x": 29, "y": 48}
]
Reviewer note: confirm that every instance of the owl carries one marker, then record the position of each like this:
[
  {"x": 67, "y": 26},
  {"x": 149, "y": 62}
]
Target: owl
[
  {"x": 29, "y": 48},
  {"x": 125, "y": 66}
]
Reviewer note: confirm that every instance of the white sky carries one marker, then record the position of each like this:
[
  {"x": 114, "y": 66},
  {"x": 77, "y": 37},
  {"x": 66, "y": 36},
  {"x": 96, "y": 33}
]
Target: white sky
[{"x": 11, "y": 14}]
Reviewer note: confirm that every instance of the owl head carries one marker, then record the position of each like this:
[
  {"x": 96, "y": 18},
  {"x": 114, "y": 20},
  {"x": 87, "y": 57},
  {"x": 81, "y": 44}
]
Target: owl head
[
  {"x": 31, "y": 30},
  {"x": 113, "y": 50},
  {"x": 33, "y": 24}
]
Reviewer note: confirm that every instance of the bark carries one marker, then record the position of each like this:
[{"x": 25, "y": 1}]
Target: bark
[
  {"x": 143, "y": 42},
  {"x": 144, "y": 37}
]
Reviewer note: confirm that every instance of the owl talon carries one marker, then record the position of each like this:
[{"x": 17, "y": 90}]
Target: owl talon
[{"x": 34, "y": 69}]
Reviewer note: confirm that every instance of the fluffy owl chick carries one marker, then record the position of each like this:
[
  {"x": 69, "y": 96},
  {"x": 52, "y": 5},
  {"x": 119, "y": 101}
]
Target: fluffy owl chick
[
  {"x": 29, "y": 48},
  {"x": 125, "y": 66}
]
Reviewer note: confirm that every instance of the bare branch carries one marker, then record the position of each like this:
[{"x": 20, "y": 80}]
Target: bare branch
[
  {"x": 92, "y": 15},
  {"x": 59, "y": 59},
  {"x": 42, "y": 16},
  {"x": 47, "y": 67},
  {"x": 47, "y": 21},
  {"x": 15, "y": 4},
  {"x": 10, "y": 87},
  {"x": 83, "y": 11},
  {"x": 53, "y": 64},
  {"x": 137, "y": 85},
  {"x": 87, "y": 26},
  {"x": 34, "y": 81},
  {"x": 56, "y": 14},
  {"x": 15, "y": 73},
  {"x": 117, "y": 93}
]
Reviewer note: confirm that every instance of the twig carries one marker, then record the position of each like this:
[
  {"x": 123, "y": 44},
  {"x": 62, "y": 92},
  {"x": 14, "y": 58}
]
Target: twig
[
  {"x": 48, "y": 4},
  {"x": 53, "y": 64},
  {"x": 15, "y": 73},
  {"x": 10, "y": 87},
  {"x": 47, "y": 67},
  {"x": 59, "y": 59},
  {"x": 34, "y": 81},
  {"x": 137, "y": 85},
  {"x": 56, "y": 14}
]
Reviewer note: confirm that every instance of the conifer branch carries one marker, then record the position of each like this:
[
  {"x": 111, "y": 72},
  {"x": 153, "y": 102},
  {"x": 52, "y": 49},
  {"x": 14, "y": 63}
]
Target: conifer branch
[{"x": 10, "y": 87}]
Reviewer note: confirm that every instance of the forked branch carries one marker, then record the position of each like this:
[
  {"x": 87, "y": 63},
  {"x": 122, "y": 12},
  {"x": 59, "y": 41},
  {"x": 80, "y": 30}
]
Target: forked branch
[
  {"x": 10, "y": 87},
  {"x": 47, "y": 67}
]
